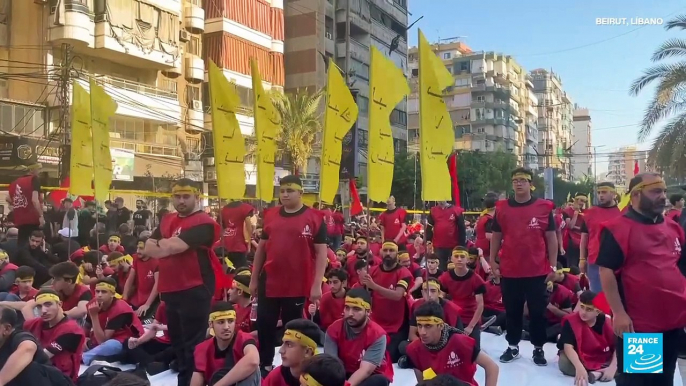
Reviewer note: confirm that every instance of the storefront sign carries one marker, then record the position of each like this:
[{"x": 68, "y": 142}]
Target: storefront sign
[{"x": 16, "y": 152}]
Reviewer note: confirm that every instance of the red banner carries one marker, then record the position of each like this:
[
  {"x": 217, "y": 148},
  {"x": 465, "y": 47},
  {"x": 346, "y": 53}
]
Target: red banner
[
  {"x": 452, "y": 168},
  {"x": 355, "y": 204}
]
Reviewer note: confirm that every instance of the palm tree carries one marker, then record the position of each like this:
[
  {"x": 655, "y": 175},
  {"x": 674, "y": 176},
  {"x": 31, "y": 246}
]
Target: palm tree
[
  {"x": 300, "y": 125},
  {"x": 669, "y": 147}
]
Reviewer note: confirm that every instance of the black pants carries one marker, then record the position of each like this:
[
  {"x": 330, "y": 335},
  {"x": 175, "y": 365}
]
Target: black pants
[
  {"x": 187, "y": 313},
  {"x": 148, "y": 352},
  {"x": 500, "y": 318},
  {"x": 24, "y": 233},
  {"x": 669, "y": 355},
  {"x": 239, "y": 259},
  {"x": 552, "y": 330},
  {"x": 516, "y": 292},
  {"x": 268, "y": 312},
  {"x": 396, "y": 339},
  {"x": 444, "y": 255},
  {"x": 149, "y": 315},
  {"x": 40, "y": 375},
  {"x": 572, "y": 255},
  {"x": 374, "y": 380}
]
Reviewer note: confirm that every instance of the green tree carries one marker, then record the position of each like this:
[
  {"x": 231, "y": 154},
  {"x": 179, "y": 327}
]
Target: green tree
[
  {"x": 301, "y": 125},
  {"x": 478, "y": 173},
  {"x": 407, "y": 180},
  {"x": 668, "y": 150}
]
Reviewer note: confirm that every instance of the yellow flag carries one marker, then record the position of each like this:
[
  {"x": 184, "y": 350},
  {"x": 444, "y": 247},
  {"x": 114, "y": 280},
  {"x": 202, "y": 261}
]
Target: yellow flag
[
  {"x": 102, "y": 109},
  {"x": 626, "y": 199},
  {"x": 229, "y": 146},
  {"x": 387, "y": 87},
  {"x": 267, "y": 125},
  {"x": 435, "y": 128},
  {"x": 81, "y": 165},
  {"x": 341, "y": 114},
  {"x": 590, "y": 199}
]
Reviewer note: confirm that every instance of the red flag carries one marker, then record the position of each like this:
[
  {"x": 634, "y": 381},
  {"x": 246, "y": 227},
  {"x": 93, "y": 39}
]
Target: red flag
[
  {"x": 58, "y": 195},
  {"x": 355, "y": 206},
  {"x": 636, "y": 169},
  {"x": 452, "y": 168}
]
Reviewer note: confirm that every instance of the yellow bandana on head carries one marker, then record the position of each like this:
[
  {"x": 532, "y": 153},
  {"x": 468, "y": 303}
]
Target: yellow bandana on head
[
  {"x": 4, "y": 256},
  {"x": 404, "y": 256},
  {"x": 124, "y": 259},
  {"x": 307, "y": 379},
  {"x": 228, "y": 262},
  {"x": 460, "y": 253},
  {"x": 114, "y": 239},
  {"x": 181, "y": 190},
  {"x": 390, "y": 245},
  {"x": 550, "y": 286},
  {"x": 243, "y": 273},
  {"x": 44, "y": 298},
  {"x": 660, "y": 183},
  {"x": 430, "y": 320},
  {"x": 242, "y": 287},
  {"x": 562, "y": 270},
  {"x": 220, "y": 315},
  {"x": 357, "y": 302},
  {"x": 524, "y": 176},
  {"x": 106, "y": 287},
  {"x": 431, "y": 284},
  {"x": 291, "y": 185},
  {"x": 300, "y": 338}
]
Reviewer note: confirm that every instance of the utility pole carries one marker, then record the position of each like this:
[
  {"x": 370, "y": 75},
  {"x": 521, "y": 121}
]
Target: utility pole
[
  {"x": 64, "y": 129},
  {"x": 347, "y": 40}
]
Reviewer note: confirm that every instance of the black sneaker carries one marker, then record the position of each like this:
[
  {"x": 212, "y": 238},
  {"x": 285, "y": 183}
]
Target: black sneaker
[
  {"x": 509, "y": 355},
  {"x": 539, "y": 357},
  {"x": 403, "y": 362}
]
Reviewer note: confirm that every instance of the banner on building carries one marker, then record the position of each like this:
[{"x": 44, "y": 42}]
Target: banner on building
[
  {"x": 18, "y": 152},
  {"x": 122, "y": 164}
]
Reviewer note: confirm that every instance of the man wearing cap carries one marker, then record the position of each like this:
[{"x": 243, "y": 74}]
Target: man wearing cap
[
  {"x": 446, "y": 230},
  {"x": 524, "y": 226},
  {"x": 299, "y": 343},
  {"x": 289, "y": 264},
  {"x": 360, "y": 343},
  {"x": 27, "y": 207},
  {"x": 638, "y": 258}
]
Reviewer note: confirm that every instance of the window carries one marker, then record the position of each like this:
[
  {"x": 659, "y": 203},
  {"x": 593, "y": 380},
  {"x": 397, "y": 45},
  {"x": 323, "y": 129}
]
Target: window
[
  {"x": 139, "y": 130},
  {"x": 462, "y": 67},
  {"x": 363, "y": 103},
  {"x": 21, "y": 119},
  {"x": 398, "y": 117},
  {"x": 361, "y": 70},
  {"x": 481, "y": 130},
  {"x": 462, "y": 82},
  {"x": 446, "y": 55},
  {"x": 193, "y": 46},
  {"x": 192, "y": 94},
  {"x": 481, "y": 98},
  {"x": 362, "y": 138}
]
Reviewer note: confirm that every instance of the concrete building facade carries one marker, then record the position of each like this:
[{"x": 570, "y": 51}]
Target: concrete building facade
[
  {"x": 621, "y": 165},
  {"x": 582, "y": 145}
]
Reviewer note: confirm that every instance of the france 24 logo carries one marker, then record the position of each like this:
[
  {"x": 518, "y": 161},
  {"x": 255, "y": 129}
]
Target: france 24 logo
[{"x": 643, "y": 353}]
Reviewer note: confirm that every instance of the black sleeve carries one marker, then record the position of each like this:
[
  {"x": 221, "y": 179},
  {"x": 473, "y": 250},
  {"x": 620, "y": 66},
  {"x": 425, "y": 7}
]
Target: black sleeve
[
  {"x": 577, "y": 287},
  {"x": 119, "y": 322},
  {"x": 86, "y": 297},
  {"x": 198, "y": 236},
  {"x": 71, "y": 213},
  {"x": 584, "y": 229},
  {"x": 23, "y": 337},
  {"x": 322, "y": 235},
  {"x": 480, "y": 290},
  {"x": 461, "y": 231},
  {"x": 418, "y": 273},
  {"x": 551, "y": 223},
  {"x": 682, "y": 262},
  {"x": 489, "y": 225},
  {"x": 495, "y": 227},
  {"x": 126, "y": 215},
  {"x": 429, "y": 231},
  {"x": 610, "y": 254},
  {"x": 35, "y": 185},
  {"x": 248, "y": 342},
  {"x": 567, "y": 303},
  {"x": 566, "y": 336},
  {"x": 156, "y": 234},
  {"x": 66, "y": 342},
  {"x": 475, "y": 353},
  {"x": 413, "y": 320}
]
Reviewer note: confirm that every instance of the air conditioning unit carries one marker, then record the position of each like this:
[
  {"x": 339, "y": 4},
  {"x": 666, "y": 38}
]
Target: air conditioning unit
[
  {"x": 184, "y": 36},
  {"x": 197, "y": 105}
]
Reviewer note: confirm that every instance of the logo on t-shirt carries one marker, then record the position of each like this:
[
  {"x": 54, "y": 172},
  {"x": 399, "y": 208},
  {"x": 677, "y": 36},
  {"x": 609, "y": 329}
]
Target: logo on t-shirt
[
  {"x": 453, "y": 360},
  {"x": 56, "y": 346},
  {"x": 396, "y": 221},
  {"x": 150, "y": 275},
  {"x": 177, "y": 232},
  {"x": 677, "y": 247},
  {"x": 452, "y": 217},
  {"x": 19, "y": 200},
  {"x": 306, "y": 231},
  {"x": 533, "y": 224}
]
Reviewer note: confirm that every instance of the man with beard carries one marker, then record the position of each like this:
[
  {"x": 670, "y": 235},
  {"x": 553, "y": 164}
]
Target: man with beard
[
  {"x": 638, "y": 257},
  {"x": 484, "y": 225},
  {"x": 446, "y": 230},
  {"x": 590, "y": 231},
  {"x": 299, "y": 343},
  {"x": 289, "y": 265},
  {"x": 360, "y": 343},
  {"x": 574, "y": 219},
  {"x": 142, "y": 217},
  {"x": 61, "y": 337},
  {"x": 445, "y": 350},
  {"x": 26, "y": 204},
  {"x": 189, "y": 272},
  {"x": 37, "y": 257},
  {"x": 392, "y": 222},
  {"x": 333, "y": 302},
  {"x": 361, "y": 252},
  {"x": 236, "y": 217},
  {"x": 525, "y": 228},
  {"x": 389, "y": 283}
]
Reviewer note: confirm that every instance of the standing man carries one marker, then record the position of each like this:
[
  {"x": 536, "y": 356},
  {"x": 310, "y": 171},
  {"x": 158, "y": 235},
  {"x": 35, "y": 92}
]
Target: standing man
[
  {"x": 289, "y": 265},
  {"x": 590, "y": 231},
  {"x": 187, "y": 272},
  {"x": 484, "y": 225},
  {"x": 574, "y": 219},
  {"x": 27, "y": 206},
  {"x": 142, "y": 217},
  {"x": 677, "y": 201},
  {"x": 524, "y": 226},
  {"x": 392, "y": 222},
  {"x": 639, "y": 253},
  {"x": 236, "y": 219},
  {"x": 446, "y": 230}
]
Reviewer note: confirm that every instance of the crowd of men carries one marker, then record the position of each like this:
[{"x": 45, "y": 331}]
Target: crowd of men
[{"x": 213, "y": 299}]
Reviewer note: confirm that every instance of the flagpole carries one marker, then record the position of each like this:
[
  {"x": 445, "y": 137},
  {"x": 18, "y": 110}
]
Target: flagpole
[{"x": 95, "y": 186}]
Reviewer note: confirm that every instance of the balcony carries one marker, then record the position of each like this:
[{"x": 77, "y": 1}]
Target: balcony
[
  {"x": 75, "y": 27},
  {"x": 358, "y": 51},
  {"x": 195, "y": 117},
  {"x": 194, "y": 68},
  {"x": 330, "y": 46},
  {"x": 489, "y": 121},
  {"x": 175, "y": 71},
  {"x": 395, "y": 11},
  {"x": 194, "y": 19}
]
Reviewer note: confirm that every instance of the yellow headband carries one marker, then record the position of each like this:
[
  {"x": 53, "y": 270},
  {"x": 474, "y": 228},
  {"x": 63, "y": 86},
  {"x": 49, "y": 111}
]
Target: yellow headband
[
  {"x": 357, "y": 302},
  {"x": 220, "y": 315},
  {"x": 657, "y": 184},
  {"x": 228, "y": 262},
  {"x": 606, "y": 189},
  {"x": 291, "y": 185},
  {"x": 460, "y": 253},
  {"x": 106, "y": 287},
  {"x": 178, "y": 189},
  {"x": 300, "y": 338},
  {"x": 431, "y": 284},
  {"x": 118, "y": 260},
  {"x": 114, "y": 238},
  {"x": 562, "y": 270},
  {"x": 43, "y": 298},
  {"x": 242, "y": 287},
  {"x": 522, "y": 175},
  {"x": 4, "y": 255},
  {"x": 550, "y": 285},
  {"x": 243, "y": 273},
  {"x": 390, "y": 245},
  {"x": 430, "y": 320},
  {"x": 141, "y": 244},
  {"x": 307, "y": 379},
  {"x": 404, "y": 256}
]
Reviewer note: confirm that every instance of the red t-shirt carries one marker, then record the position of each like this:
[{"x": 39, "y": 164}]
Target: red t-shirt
[
  {"x": 392, "y": 222},
  {"x": 144, "y": 280}
]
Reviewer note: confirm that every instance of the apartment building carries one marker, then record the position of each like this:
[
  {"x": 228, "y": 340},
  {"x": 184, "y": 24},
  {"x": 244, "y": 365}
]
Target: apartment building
[
  {"x": 555, "y": 117},
  {"x": 235, "y": 32},
  {"x": 316, "y": 31},
  {"x": 582, "y": 149},
  {"x": 489, "y": 103},
  {"x": 621, "y": 165},
  {"x": 147, "y": 55}
]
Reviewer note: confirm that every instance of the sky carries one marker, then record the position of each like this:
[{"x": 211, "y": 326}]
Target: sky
[{"x": 597, "y": 63}]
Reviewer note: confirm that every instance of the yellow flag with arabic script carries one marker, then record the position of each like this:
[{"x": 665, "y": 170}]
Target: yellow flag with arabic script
[
  {"x": 435, "y": 127},
  {"x": 267, "y": 126},
  {"x": 387, "y": 86},
  {"x": 229, "y": 145},
  {"x": 103, "y": 107},
  {"x": 81, "y": 159},
  {"x": 341, "y": 114}
]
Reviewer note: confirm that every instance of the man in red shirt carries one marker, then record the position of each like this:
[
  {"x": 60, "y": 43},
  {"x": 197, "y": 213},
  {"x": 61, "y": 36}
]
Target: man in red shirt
[
  {"x": 26, "y": 203},
  {"x": 392, "y": 222},
  {"x": 446, "y": 230},
  {"x": 289, "y": 265},
  {"x": 677, "y": 201},
  {"x": 235, "y": 219}
]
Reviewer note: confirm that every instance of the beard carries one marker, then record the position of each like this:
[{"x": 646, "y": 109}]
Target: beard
[
  {"x": 389, "y": 260},
  {"x": 354, "y": 323},
  {"x": 653, "y": 208},
  {"x": 471, "y": 265}
]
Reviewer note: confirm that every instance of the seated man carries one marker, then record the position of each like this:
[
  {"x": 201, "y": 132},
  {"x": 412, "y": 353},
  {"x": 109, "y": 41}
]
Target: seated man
[
  {"x": 7, "y": 272},
  {"x": 445, "y": 350},
  {"x": 299, "y": 343},
  {"x": 230, "y": 357},
  {"x": 587, "y": 343},
  {"x": 75, "y": 297},
  {"x": 568, "y": 280},
  {"x": 153, "y": 349},
  {"x": 332, "y": 302},
  {"x": 113, "y": 245},
  {"x": 22, "y": 291},
  {"x": 22, "y": 361},
  {"x": 62, "y": 337},
  {"x": 121, "y": 265},
  {"x": 360, "y": 343},
  {"x": 493, "y": 306},
  {"x": 560, "y": 304},
  {"x": 322, "y": 370},
  {"x": 112, "y": 322},
  {"x": 241, "y": 297},
  {"x": 140, "y": 289}
]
